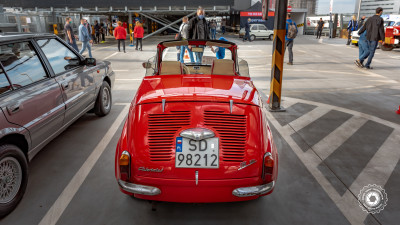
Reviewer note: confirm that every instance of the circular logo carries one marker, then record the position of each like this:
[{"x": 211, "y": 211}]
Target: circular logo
[{"x": 372, "y": 198}]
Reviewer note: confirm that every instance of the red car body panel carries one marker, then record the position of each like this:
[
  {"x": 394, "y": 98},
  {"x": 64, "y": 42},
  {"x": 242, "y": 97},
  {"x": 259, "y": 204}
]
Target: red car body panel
[{"x": 196, "y": 101}]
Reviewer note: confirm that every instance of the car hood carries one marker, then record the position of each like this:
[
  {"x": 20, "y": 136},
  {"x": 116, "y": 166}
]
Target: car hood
[{"x": 209, "y": 88}]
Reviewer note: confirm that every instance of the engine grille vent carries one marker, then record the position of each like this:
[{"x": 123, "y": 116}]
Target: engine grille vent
[
  {"x": 162, "y": 129},
  {"x": 232, "y": 131}
]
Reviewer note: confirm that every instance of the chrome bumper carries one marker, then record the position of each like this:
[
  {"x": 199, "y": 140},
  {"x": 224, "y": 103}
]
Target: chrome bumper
[
  {"x": 138, "y": 189},
  {"x": 255, "y": 190}
]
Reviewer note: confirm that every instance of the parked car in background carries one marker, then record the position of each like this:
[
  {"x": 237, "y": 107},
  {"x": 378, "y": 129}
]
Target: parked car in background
[
  {"x": 392, "y": 37},
  {"x": 45, "y": 85},
  {"x": 258, "y": 31},
  {"x": 197, "y": 132}
]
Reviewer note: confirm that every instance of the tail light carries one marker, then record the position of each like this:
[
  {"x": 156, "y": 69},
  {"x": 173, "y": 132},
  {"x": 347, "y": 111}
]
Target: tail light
[
  {"x": 124, "y": 166},
  {"x": 268, "y": 165},
  {"x": 395, "y": 31}
]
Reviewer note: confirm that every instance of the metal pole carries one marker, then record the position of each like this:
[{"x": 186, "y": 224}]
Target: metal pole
[
  {"x": 278, "y": 55},
  {"x": 359, "y": 9},
  {"x": 330, "y": 25}
]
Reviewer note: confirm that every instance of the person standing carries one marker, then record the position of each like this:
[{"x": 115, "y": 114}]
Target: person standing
[
  {"x": 198, "y": 29},
  {"x": 247, "y": 30},
  {"x": 138, "y": 32},
  {"x": 184, "y": 33},
  {"x": 375, "y": 33},
  {"x": 320, "y": 27},
  {"x": 223, "y": 26},
  {"x": 102, "y": 31},
  {"x": 361, "y": 22},
  {"x": 219, "y": 51},
  {"x": 213, "y": 27},
  {"x": 97, "y": 32},
  {"x": 291, "y": 33},
  {"x": 353, "y": 25},
  {"x": 84, "y": 37},
  {"x": 69, "y": 34},
  {"x": 120, "y": 35}
]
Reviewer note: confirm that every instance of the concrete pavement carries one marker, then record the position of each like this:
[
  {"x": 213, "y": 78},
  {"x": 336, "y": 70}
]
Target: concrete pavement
[{"x": 339, "y": 133}]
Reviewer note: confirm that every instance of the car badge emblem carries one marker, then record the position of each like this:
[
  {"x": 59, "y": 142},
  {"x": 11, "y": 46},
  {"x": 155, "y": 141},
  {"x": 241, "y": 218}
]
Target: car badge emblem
[
  {"x": 155, "y": 170},
  {"x": 197, "y": 133},
  {"x": 244, "y": 164}
]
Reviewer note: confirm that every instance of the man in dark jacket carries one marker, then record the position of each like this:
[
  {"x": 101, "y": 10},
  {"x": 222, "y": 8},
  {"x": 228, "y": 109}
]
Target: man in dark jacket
[
  {"x": 375, "y": 33},
  {"x": 198, "y": 29},
  {"x": 247, "y": 30}
]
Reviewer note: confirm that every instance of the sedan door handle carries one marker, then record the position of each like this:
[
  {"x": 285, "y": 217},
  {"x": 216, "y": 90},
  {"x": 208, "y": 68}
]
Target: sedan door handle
[
  {"x": 65, "y": 85},
  {"x": 14, "y": 108}
]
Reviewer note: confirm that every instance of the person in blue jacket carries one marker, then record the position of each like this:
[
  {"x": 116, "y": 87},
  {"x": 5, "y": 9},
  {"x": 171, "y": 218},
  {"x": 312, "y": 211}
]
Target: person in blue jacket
[
  {"x": 219, "y": 51},
  {"x": 85, "y": 38},
  {"x": 291, "y": 32},
  {"x": 353, "y": 26}
]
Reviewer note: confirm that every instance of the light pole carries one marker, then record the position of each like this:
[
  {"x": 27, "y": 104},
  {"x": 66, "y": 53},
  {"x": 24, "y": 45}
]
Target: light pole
[
  {"x": 330, "y": 18},
  {"x": 359, "y": 9}
]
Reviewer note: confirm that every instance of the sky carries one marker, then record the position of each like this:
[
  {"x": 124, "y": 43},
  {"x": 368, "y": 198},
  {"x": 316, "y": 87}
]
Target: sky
[{"x": 339, "y": 6}]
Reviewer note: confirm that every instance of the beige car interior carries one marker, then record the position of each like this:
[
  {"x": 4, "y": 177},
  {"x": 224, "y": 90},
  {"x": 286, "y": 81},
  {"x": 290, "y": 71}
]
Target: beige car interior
[
  {"x": 223, "y": 67},
  {"x": 171, "y": 68}
]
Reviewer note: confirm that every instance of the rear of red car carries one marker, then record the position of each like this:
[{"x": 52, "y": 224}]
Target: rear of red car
[{"x": 185, "y": 141}]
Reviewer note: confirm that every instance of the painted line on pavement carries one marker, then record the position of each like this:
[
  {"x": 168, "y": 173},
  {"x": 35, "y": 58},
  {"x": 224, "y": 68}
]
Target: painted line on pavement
[
  {"x": 382, "y": 164},
  {"x": 336, "y": 138},
  {"x": 58, "y": 207},
  {"x": 120, "y": 70},
  {"x": 110, "y": 55},
  {"x": 308, "y": 118}
]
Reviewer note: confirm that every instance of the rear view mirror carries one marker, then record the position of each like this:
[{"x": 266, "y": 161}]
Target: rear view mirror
[
  {"x": 90, "y": 61},
  {"x": 146, "y": 65},
  {"x": 197, "y": 49}
]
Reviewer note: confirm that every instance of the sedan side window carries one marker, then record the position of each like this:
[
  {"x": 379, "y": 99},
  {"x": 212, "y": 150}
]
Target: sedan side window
[
  {"x": 262, "y": 27},
  {"x": 4, "y": 84},
  {"x": 21, "y": 64},
  {"x": 61, "y": 58},
  {"x": 254, "y": 27}
]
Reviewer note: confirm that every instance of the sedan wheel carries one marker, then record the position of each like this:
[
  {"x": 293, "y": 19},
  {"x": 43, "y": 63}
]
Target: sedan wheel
[
  {"x": 271, "y": 37},
  {"x": 252, "y": 37},
  {"x": 104, "y": 100},
  {"x": 13, "y": 177}
]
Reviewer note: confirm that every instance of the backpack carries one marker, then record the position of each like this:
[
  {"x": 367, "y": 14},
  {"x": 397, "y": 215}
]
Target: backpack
[{"x": 292, "y": 31}]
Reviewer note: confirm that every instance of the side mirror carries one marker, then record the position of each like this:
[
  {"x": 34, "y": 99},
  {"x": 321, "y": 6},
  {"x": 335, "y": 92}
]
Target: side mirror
[
  {"x": 146, "y": 65},
  {"x": 90, "y": 61}
]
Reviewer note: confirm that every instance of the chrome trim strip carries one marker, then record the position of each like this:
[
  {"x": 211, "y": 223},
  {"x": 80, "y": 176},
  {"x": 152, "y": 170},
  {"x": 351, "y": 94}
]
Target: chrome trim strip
[
  {"x": 255, "y": 190},
  {"x": 197, "y": 134},
  {"x": 163, "y": 105},
  {"x": 138, "y": 189},
  {"x": 230, "y": 105},
  {"x": 197, "y": 177}
]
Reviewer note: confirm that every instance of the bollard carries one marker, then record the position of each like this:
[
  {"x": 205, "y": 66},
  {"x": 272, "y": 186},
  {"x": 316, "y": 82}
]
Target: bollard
[
  {"x": 278, "y": 56},
  {"x": 55, "y": 28}
]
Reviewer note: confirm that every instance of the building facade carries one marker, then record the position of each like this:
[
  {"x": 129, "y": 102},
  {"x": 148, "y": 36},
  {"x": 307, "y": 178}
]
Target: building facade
[
  {"x": 310, "y": 5},
  {"x": 368, "y": 7}
]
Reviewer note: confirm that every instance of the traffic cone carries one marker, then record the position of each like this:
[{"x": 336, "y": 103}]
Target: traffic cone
[
  {"x": 186, "y": 55},
  {"x": 398, "y": 111}
]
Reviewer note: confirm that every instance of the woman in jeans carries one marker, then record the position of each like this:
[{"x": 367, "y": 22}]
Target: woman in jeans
[
  {"x": 138, "y": 34},
  {"x": 120, "y": 35}
]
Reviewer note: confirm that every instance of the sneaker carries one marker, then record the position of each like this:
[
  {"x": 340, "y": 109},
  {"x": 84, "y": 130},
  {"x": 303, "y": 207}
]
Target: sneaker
[
  {"x": 359, "y": 64},
  {"x": 368, "y": 67},
  {"x": 289, "y": 63}
]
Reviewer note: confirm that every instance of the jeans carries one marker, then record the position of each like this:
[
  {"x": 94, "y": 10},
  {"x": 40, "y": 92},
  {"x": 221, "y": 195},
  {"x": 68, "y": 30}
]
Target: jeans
[
  {"x": 199, "y": 55},
  {"x": 74, "y": 45},
  {"x": 349, "y": 38},
  {"x": 247, "y": 36},
  {"x": 183, "y": 47},
  {"x": 223, "y": 29},
  {"x": 362, "y": 47},
  {"x": 369, "y": 53},
  {"x": 319, "y": 33},
  {"x": 139, "y": 41},
  {"x": 289, "y": 45},
  {"x": 119, "y": 44},
  {"x": 213, "y": 34},
  {"x": 86, "y": 44}
]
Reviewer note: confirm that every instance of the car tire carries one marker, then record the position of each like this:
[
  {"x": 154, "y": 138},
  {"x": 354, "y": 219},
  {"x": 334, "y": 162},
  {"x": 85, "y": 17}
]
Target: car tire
[
  {"x": 13, "y": 159},
  {"x": 104, "y": 100},
  {"x": 252, "y": 37},
  {"x": 386, "y": 47},
  {"x": 271, "y": 37}
]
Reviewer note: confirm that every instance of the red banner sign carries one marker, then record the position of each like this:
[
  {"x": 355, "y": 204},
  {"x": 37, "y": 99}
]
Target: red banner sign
[{"x": 255, "y": 14}]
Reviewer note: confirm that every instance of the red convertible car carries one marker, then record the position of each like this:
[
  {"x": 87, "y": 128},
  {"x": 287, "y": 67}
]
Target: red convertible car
[{"x": 196, "y": 132}]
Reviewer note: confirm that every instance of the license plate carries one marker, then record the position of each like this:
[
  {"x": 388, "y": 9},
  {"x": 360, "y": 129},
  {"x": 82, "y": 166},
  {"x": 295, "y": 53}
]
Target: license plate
[{"x": 197, "y": 154}]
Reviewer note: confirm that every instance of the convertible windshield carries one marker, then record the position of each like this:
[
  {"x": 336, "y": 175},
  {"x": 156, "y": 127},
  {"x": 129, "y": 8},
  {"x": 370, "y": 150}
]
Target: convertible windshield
[{"x": 196, "y": 54}]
